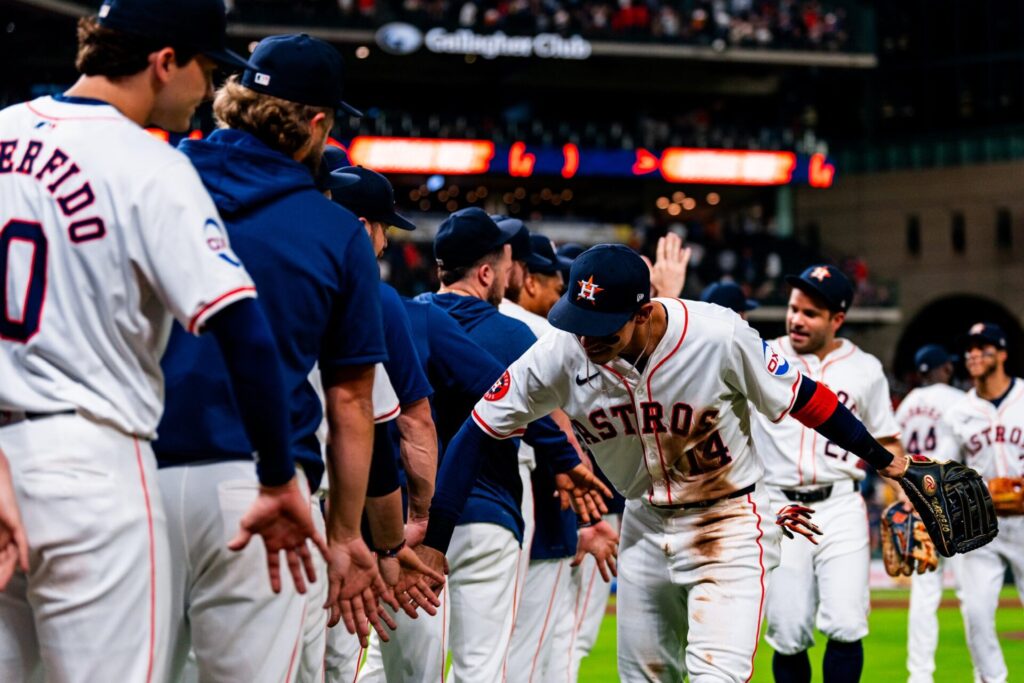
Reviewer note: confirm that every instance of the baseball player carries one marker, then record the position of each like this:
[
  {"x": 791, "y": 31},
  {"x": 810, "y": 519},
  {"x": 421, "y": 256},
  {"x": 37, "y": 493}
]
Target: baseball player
[
  {"x": 988, "y": 426},
  {"x": 107, "y": 235},
  {"x": 659, "y": 392},
  {"x": 319, "y": 284},
  {"x": 826, "y": 582},
  {"x": 924, "y": 431}
]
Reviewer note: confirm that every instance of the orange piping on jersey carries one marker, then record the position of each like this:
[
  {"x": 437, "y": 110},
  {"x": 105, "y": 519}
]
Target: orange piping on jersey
[
  {"x": 41, "y": 115},
  {"x": 193, "y": 324},
  {"x": 814, "y": 444},
  {"x": 444, "y": 629},
  {"x": 494, "y": 432},
  {"x": 580, "y": 612},
  {"x": 760, "y": 604},
  {"x": 515, "y": 613},
  {"x": 152, "y": 562},
  {"x": 640, "y": 436},
  {"x": 650, "y": 396},
  {"x": 792, "y": 398},
  {"x": 547, "y": 617}
]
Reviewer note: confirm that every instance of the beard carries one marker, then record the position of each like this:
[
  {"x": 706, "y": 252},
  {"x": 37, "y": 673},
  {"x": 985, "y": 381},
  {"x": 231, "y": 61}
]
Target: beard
[{"x": 495, "y": 293}]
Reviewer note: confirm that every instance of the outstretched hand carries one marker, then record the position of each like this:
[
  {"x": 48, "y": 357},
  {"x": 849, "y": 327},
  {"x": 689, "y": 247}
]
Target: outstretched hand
[
  {"x": 601, "y": 541},
  {"x": 797, "y": 519},
  {"x": 580, "y": 489},
  {"x": 668, "y": 274},
  {"x": 280, "y": 514},
  {"x": 355, "y": 587}
]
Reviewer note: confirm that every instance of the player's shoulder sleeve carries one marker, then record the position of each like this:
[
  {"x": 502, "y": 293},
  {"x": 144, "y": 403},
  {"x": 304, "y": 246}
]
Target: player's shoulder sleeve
[
  {"x": 529, "y": 389},
  {"x": 355, "y": 332},
  {"x": 181, "y": 245},
  {"x": 875, "y": 410},
  {"x": 403, "y": 364},
  {"x": 759, "y": 371}
]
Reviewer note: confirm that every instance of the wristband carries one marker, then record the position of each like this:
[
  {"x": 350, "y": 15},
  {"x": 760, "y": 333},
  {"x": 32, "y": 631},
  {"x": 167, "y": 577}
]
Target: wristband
[{"x": 389, "y": 552}]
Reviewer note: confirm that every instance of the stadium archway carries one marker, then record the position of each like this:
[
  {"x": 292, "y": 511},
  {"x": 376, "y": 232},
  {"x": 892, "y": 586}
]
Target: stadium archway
[{"x": 943, "y": 322}]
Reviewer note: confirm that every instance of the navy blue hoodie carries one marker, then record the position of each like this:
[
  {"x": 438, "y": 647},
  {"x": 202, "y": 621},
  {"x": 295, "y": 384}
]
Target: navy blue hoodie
[{"x": 318, "y": 283}]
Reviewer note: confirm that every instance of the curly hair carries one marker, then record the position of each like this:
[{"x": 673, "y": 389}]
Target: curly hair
[
  {"x": 115, "y": 54},
  {"x": 280, "y": 124}
]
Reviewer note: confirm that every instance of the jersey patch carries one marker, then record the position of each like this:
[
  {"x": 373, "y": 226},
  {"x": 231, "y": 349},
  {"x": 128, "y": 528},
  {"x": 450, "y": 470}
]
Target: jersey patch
[
  {"x": 217, "y": 241},
  {"x": 776, "y": 364},
  {"x": 499, "y": 388}
]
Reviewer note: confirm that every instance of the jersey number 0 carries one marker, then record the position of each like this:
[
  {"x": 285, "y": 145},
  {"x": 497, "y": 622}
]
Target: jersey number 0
[{"x": 19, "y": 237}]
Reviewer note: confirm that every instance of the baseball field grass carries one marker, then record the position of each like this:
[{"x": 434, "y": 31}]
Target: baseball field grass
[{"x": 885, "y": 649}]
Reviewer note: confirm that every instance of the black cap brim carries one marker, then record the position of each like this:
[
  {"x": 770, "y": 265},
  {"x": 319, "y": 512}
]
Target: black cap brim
[
  {"x": 810, "y": 288},
  {"x": 567, "y": 316},
  {"x": 349, "y": 109},
  {"x": 226, "y": 57},
  {"x": 399, "y": 221},
  {"x": 536, "y": 263}
]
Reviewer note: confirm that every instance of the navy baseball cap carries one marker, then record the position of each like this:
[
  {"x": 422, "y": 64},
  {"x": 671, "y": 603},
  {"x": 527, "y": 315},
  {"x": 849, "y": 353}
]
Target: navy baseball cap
[
  {"x": 607, "y": 286},
  {"x": 545, "y": 255},
  {"x": 521, "y": 247},
  {"x": 931, "y": 356},
  {"x": 827, "y": 283},
  {"x": 329, "y": 176},
  {"x": 729, "y": 295},
  {"x": 985, "y": 333},
  {"x": 371, "y": 197},
  {"x": 468, "y": 235},
  {"x": 569, "y": 250},
  {"x": 299, "y": 68},
  {"x": 198, "y": 24}
]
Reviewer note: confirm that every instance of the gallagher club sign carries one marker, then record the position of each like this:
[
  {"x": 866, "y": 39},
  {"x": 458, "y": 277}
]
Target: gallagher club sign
[{"x": 402, "y": 39}]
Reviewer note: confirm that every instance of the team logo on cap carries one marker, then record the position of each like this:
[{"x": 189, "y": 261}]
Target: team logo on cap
[
  {"x": 262, "y": 78},
  {"x": 499, "y": 388},
  {"x": 820, "y": 273},
  {"x": 977, "y": 328},
  {"x": 588, "y": 289}
]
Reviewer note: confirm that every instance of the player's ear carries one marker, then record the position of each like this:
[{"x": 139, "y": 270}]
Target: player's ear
[
  {"x": 644, "y": 314},
  {"x": 162, "y": 60},
  {"x": 838, "y": 318}
]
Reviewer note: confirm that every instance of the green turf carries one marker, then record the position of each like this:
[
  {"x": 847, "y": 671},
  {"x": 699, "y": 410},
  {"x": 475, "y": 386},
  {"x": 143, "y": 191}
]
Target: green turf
[{"x": 885, "y": 649}]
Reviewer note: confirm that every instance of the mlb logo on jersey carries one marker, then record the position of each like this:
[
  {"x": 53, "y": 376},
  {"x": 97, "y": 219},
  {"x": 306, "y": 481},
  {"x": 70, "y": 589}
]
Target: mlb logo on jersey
[{"x": 776, "y": 364}]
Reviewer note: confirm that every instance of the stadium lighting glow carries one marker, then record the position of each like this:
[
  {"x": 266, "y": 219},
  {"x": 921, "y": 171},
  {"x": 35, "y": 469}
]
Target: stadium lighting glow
[
  {"x": 728, "y": 167},
  {"x": 422, "y": 155}
]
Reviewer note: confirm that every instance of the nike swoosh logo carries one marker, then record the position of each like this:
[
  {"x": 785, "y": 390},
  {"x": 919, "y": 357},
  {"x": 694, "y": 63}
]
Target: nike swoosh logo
[{"x": 581, "y": 382}]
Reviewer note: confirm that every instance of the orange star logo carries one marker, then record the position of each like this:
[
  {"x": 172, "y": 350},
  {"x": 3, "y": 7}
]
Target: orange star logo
[
  {"x": 820, "y": 273},
  {"x": 588, "y": 289}
]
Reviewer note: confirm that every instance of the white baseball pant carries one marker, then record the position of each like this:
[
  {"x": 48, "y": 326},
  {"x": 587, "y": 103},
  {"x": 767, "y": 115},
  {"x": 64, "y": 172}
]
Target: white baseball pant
[
  {"x": 983, "y": 570},
  {"x": 545, "y": 608},
  {"x": 239, "y": 629},
  {"x": 826, "y": 583},
  {"x": 923, "y": 620},
  {"x": 95, "y": 604},
  {"x": 591, "y": 603},
  {"x": 478, "y": 603},
  {"x": 691, "y": 589}
]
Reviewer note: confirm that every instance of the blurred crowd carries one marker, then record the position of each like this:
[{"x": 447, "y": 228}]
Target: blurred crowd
[{"x": 776, "y": 24}]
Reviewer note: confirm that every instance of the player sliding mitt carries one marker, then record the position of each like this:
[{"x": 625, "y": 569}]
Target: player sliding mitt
[
  {"x": 906, "y": 546},
  {"x": 1007, "y": 495},
  {"x": 953, "y": 503}
]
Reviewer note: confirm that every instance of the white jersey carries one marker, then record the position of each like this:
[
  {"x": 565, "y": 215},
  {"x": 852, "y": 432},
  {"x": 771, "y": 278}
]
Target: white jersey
[
  {"x": 106, "y": 232},
  {"x": 922, "y": 428},
  {"x": 385, "y": 401},
  {"x": 991, "y": 439},
  {"x": 795, "y": 455},
  {"x": 539, "y": 325},
  {"x": 676, "y": 432}
]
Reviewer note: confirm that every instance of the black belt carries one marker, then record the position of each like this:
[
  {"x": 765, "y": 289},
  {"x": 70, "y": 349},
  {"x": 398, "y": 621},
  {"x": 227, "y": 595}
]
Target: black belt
[
  {"x": 814, "y": 496},
  {"x": 8, "y": 417},
  {"x": 707, "y": 503}
]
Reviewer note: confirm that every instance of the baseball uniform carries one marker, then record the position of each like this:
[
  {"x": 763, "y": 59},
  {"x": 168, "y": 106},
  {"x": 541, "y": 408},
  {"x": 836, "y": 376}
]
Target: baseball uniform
[
  {"x": 671, "y": 437},
  {"x": 319, "y": 280},
  {"x": 826, "y": 583},
  {"x": 105, "y": 233},
  {"x": 990, "y": 435},
  {"x": 923, "y": 431}
]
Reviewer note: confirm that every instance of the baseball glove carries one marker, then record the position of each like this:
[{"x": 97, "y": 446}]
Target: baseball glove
[
  {"x": 953, "y": 503},
  {"x": 1007, "y": 495},
  {"x": 906, "y": 546}
]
